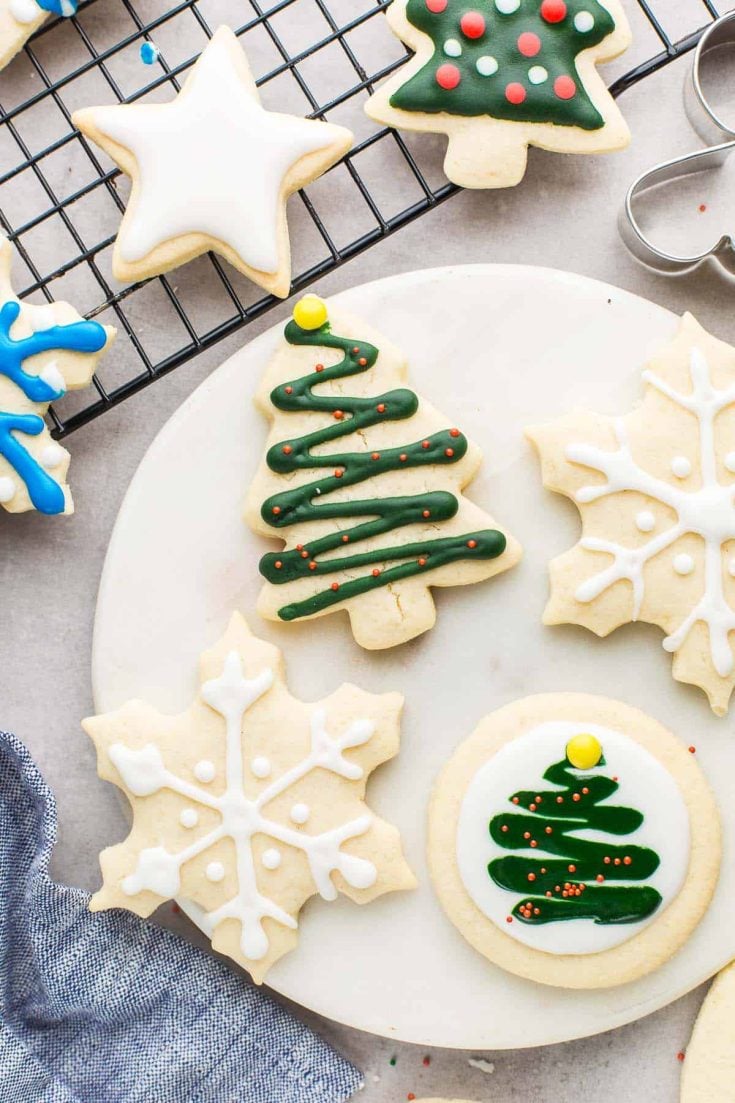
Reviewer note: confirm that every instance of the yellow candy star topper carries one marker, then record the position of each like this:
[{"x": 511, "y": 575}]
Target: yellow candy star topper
[
  {"x": 584, "y": 751},
  {"x": 310, "y": 312}
]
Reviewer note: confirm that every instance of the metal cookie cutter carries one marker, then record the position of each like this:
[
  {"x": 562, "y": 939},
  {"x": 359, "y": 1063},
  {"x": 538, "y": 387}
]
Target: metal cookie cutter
[{"x": 721, "y": 143}]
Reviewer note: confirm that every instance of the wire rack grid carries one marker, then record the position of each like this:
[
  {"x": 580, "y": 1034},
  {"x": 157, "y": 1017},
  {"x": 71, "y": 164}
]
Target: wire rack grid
[{"x": 61, "y": 200}]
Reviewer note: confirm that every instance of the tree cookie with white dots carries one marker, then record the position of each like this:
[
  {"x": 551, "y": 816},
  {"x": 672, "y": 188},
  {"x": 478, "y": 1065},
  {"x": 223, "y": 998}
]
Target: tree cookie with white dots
[
  {"x": 212, "y": 169},
  {"x": 250, "y": 802},
  {"x": 574, "y": 841},
  {"x": 501, "y": 75},
  {"x": 656, "y": 493},
  {"x": 362, "y": 480}
]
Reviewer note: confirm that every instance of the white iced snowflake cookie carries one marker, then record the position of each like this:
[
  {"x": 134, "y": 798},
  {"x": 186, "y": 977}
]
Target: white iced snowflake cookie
[
  {"x": 363, "y": 482},
  {"x": 211, "y": 170},
  {"x": 708, "y": 1074},
  {"x": 44, "y": 352},
  {"x": 496, "y": 76},
  {"x": 250, "y": 802},
  {"x": 20, "y": 18},
  {"x": 574, "y": 841},
  {"x": 656, "y": 492}
]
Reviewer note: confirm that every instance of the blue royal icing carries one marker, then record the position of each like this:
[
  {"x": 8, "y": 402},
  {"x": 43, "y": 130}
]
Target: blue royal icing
[
  {"x": 45, "y": 493},
  {"x": 59, "y": 7}
]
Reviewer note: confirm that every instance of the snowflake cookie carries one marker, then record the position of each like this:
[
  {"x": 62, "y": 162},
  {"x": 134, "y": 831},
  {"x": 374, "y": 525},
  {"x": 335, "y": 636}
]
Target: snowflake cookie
[
  {"x": 250, "y": 802},
  {"x": 574, "y": 841},
  {"x": 362, "y": 480},
  {"x": 44, "y": 352},
  {"x": 656, "y": 492},
  {"x": 496, "y": 76},
  {"x": 20, "y": 18},
  {"x": 211, "y": 170}
]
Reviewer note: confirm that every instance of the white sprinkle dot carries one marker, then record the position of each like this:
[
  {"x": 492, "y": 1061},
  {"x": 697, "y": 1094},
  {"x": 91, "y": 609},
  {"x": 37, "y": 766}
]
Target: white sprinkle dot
[
  {"x": 507, "y": 7},
  {"x": 204, "y": 770},
  {"x": 730, "y": 461},
  {"x": 486, "y": 65},
  {"x": 453, "y": 48},
  {"x": 7, "y": 489},
  {"x": 645, "y": 520},
  {"x": 215, "y": 871},
  {"x": 683, "y": 564},
  {"x": 261, "y": 766},
  {"x": 188, "y": 817},
  {"x": 52, "y": 455},
  {"x": 300, "y": 813},
  {"x": 731, "y": 568},
  {"x": 537, "y": 74},
  {"x": 271, "y": 858},
  {"x": 681, "y": 467},
  {"x": 584, "y": 21}
]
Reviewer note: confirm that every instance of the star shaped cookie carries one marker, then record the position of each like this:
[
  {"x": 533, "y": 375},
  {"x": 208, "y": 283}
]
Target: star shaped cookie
[{"x": 212, "y": 170}]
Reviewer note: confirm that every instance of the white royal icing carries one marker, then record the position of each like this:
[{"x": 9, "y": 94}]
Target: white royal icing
[
  {"x": 681, "y": 467},
  {"x": 708, "y": 512},
  {"x": 584, "y": 21},
  {"x": 453, "y": 47},
  {"x": 7, "y": 489},
  {"x": 211, "y": 161},
  {"x": 143, "y": 772},
  {"x": 644, "y": 784},
  {"x": 537, "y": 74},
  {"x": 25, "y": 11},
  {"x": 486, "y": 65}
]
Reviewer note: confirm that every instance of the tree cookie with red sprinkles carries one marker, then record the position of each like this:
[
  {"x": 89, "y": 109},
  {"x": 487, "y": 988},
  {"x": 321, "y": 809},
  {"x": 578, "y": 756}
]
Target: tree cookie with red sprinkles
[
  {"x": 574, "y": 841},
  {"x": 496, "y": 76}
]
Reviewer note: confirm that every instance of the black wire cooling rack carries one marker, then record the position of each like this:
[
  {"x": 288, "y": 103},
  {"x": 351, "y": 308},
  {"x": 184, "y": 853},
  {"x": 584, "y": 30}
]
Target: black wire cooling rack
[{"x": 61, "y": 201}]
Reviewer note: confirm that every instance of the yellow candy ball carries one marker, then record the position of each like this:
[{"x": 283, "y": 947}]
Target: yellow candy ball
[
  {"x": 584, "y": 751},
  {"x": 310, "y": 312}
]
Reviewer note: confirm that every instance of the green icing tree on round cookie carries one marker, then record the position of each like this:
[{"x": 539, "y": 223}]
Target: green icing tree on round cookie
[
  {"x": 508, "y": 59},
  {"x": 582, "y": 878}
]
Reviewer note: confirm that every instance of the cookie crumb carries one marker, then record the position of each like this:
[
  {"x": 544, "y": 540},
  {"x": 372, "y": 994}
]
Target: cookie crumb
[{"x": 481, "y": 1064}]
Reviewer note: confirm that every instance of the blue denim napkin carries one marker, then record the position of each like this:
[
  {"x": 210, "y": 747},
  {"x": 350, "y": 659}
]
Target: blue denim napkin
[{"x": 105, "y": 1008}]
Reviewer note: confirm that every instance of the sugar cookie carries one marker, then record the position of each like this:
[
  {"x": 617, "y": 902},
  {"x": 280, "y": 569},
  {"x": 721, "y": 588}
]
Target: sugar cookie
[
  {"x": 579, "y": 877},
  {"x": 211, "y": 170},
  {"x": 371, "y": 523},
  {"x": 499, "y": 76},
  {"x": 250, "y": 802}
]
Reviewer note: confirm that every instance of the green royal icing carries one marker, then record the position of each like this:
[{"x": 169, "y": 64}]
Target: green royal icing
[
  {"x": 605, "y": 902},
  {"x": 477, "y": 94},
  {"x": 308, "y": 502}
]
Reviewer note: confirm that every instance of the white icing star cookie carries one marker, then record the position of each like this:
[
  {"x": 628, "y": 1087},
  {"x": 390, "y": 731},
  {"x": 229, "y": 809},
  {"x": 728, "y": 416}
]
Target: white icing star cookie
[
  {"x": 656, "y": 492},
  {"x": 44, "y": 352},
  {"x": 250, "y": 802},
  {"x": 212, "y": 170}
]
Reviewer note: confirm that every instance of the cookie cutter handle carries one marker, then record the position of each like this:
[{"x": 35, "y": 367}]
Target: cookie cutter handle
[{"x": 701, "y": 114}]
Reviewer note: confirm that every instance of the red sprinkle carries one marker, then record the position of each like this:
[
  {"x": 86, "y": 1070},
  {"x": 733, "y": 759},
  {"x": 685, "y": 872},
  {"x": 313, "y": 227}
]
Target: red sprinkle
[
  {"x": 509, "y": 919},
  {"x": 426, "y": 513},
  {"x": 449, "y": 452},
  {"x": 680, "y": 1055},
  {"x": 345, "y": 539},
  {"x": 454, "y": 432},
  {"x": 278, "y": 564},
  {"x": 380, "y": 407},
  {"x": 692, "y": 750},
  {"x": 376, "y": 572},
  {"x": 473, "y": 544},
  {"x": 426, "y": 444},
  {"x": 319, "y": 367},
  {"x": 338, "y": 415},
  {"x": 702, "y": 208},
  {"x": 426, "y": 1062},
  {"x": 335, "y": 586},
  {"x": 375, "y": 456}
]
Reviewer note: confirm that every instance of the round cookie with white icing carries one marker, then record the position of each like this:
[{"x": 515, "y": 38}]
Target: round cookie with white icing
[
  {"x": 655, "y": 489},
  {"x": 708, "y": 1074},
  {"x": 574, "y": 841},
  {"x": 20, "y": 18},
  {"x": 250, "y": 802},
  {"x": 212, "y": 169},
  {"x": 501, "y": 75}
]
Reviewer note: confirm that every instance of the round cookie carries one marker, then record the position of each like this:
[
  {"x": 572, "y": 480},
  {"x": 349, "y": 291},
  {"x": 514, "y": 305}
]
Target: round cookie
[
  {"x": 574, "y": 841},
  {"x": 707, "y": 1074}
]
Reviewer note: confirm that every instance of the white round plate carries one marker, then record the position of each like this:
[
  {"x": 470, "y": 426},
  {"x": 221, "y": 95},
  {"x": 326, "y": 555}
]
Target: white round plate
[{"x": 495, "y": 348}]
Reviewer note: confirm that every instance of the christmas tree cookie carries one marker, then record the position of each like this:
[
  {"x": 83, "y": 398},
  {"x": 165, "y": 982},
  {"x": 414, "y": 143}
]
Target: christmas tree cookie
[
  {"x": 211, "y": 170},
  {"x": 656, "y": 492},
  {"x": 250, "y": 802},
  {"x": 20, "y": 18},
  {"x": 496, "y": 76},
  {"x": 364, "y": 480},
  {"x": 574, "y": 841},
  {"x": 44, "y": 352}
]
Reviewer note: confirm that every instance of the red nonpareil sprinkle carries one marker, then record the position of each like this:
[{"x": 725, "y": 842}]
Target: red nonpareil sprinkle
[
  {"x": 692, "y": 750},
  {"x": 362, "y": 362},
  {"x": 422, "y": 562},
  {"x": 509, "y": 919},
  {"x": 278, "y": 564},
  {"x": 426, "y": 1062},
  {"x": 426, "y": 513},
  {"x": 319, "y": 367},
  {"x": 376, "y": 572},
  {"x": 338, "y": 415},
  {"x": 312, "y": 566},
  {"x": 702, "y": 208},
  {"x": 338, "y": 473},
  {"x": 454, "y": 432},
  {"x": 276, "y": 510},
  {"x": 403, "y": 457},
  {"x": 410, "y": 1096},
  {"x": 375, "y": 456},
  {"x": 299, "y": 547},
  {"x": 380, "y": 407},
  {"x": 345, "y": 539},
  {"x": 449, "y": 452},
  {"x": 426, "y": 444},
  {"x": 473, "y": 544},
  {"x": 356, "y": 349},
  {"x": 304, "y": 554},
  {"x": 335, "y": 586},
  {"x": 287, "y": 449},
  {"x": 680, "y": 1055},
  {"x": 515, "y": 800}
]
